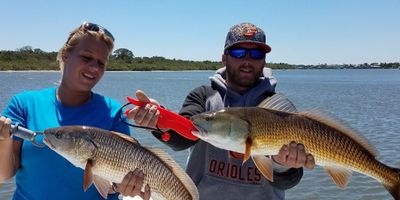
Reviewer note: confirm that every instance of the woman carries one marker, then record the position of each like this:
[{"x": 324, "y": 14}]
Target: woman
[{"x": 41, "y": 173}]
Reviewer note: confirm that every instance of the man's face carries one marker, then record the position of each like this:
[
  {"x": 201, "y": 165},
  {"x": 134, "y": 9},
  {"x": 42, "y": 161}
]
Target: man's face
[{"x": 242, "y": 73}]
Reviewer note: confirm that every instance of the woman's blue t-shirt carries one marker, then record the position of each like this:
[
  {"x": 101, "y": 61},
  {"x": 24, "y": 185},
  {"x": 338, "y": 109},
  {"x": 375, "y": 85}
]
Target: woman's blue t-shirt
[{"x": 43, "y": 174}]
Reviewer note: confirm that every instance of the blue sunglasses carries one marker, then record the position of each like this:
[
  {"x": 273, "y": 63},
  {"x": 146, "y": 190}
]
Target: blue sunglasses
[{"x": 256, "y": 54}]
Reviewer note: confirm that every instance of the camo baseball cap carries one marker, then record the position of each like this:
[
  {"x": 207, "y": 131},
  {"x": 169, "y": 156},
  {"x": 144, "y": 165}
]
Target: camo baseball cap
[{"x": 246, "y": 33}]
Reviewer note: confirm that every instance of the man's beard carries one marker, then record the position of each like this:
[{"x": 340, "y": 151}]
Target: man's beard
[{"x": 235, "y": 78}]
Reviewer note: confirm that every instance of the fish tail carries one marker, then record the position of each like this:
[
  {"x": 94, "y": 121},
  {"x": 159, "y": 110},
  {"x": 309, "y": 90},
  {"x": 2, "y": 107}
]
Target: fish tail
[{"x": 394, "y": 189}]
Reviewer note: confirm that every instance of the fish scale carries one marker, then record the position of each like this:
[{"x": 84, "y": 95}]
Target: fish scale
[
  {"x": 314, "y": 136},
  {"x": 114, "y": 155},
  {"x": 135, "y": 158}
]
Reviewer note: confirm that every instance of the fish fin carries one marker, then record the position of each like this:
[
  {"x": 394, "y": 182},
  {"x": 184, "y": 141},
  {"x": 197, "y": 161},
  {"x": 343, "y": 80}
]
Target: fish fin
[
  {"x": 340, "y": 127},
  {"x": 102, "y": 185},
  {"x": 278, "y": 102},
  {"x": 177, "y": 170},
  {"x": 394, "y": 190},
  {"x": 88, "y": 175},
  {"x": 247, "y": 151},
  {"x": 339, "y": 175},
  {"x": 264, "y": 164},
  {"x": 126, "y": 137}
]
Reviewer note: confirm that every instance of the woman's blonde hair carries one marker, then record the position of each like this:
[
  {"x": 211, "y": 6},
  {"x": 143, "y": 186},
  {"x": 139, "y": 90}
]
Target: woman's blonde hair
[{"x": 80, "y": 33}]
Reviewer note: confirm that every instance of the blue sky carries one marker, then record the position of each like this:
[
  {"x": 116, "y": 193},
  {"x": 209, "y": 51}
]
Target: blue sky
[{"x": 299, "y": 31}]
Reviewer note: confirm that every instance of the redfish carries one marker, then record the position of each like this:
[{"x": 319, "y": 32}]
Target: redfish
[
  {"x": 108, "y": 156},
  {"x": 263, "y": 130}
]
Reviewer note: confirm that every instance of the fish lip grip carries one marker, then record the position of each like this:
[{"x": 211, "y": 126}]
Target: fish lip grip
[
  {"x": 26, "y": 134},
  {"x": 170, "y": 120}
]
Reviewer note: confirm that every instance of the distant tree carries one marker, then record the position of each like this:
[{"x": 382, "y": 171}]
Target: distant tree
[
  {"x": 37, "y": 50},
  {"x": 25, "y": 49},
  {"x": 158, "y": 58},
  {"x": 123, "y": 54}
]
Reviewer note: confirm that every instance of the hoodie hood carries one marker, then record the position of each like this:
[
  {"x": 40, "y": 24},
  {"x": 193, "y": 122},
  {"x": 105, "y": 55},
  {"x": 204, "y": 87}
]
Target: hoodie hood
[{"x": 231, "y": 98}]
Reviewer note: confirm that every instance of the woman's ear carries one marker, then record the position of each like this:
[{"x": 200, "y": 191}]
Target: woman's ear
[{"x": 64, "y": 56}]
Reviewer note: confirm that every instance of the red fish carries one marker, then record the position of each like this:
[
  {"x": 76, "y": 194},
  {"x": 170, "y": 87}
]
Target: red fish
[{"x": 170, "y": 120}]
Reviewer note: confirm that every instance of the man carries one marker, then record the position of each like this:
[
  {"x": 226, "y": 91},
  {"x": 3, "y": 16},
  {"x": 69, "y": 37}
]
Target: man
[{"x": 244, "y": 81}]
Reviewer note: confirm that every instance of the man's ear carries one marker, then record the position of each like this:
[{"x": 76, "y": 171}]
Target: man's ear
[{"x": 224, "y": 59}]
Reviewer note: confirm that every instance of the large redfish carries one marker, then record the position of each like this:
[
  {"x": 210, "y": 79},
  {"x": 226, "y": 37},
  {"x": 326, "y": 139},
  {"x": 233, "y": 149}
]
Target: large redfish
[
  {"x": 108, "y": 156},
  {"x": 260, "y": 131}
]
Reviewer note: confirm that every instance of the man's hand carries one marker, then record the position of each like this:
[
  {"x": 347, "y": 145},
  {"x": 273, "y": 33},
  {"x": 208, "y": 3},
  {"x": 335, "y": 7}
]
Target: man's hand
[
  {"x": 146, "y": 115},
  {"x": 294, "y": 156},
  {"x": 132, "y": 184}
]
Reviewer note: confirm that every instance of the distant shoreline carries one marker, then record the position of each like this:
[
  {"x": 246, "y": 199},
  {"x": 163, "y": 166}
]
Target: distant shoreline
[{"x": 29, "y": 59}]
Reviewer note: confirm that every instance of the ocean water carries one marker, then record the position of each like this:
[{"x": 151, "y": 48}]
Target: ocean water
[{"x": 366, "y": 100}]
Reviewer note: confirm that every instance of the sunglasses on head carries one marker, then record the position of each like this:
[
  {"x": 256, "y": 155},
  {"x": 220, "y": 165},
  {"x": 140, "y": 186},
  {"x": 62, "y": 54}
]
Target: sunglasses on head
[
  {"x": 96, "y": 28},
  {"x": 256, "y": 54}
]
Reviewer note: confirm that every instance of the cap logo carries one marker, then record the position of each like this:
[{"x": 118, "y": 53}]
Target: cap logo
[{"x": 249, "y": 31}]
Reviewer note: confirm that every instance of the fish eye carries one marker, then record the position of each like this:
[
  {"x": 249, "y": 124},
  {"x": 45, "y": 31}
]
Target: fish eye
[
  {"x": 209, "y": 117},
  {"x": 58, "y": 135}
]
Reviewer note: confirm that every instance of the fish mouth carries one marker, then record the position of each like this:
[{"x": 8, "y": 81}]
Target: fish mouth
[
  {"x": 48, "y": 143},
  {"x": 200, "y": 132}
]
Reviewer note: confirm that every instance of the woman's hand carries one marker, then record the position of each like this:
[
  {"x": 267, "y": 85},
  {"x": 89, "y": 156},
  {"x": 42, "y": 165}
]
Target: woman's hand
[
  {"x": 5, "y": 125},
  {"x": 132, "y": 185},
  {"x": 145, "y": 115}
]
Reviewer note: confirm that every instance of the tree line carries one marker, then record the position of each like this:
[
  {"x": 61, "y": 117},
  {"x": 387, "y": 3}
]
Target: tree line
[
  {"x": 122, "y": 59},
  {"x": 27, "y": 58}
]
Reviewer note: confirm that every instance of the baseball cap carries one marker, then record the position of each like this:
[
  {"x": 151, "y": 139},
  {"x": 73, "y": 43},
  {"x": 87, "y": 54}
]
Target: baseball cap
[{"x": 246, "y": 33}]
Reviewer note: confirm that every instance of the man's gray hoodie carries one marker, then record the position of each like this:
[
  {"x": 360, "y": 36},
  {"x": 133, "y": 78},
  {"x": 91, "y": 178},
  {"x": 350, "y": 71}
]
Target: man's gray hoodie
[{"x": 217, "y": 173}]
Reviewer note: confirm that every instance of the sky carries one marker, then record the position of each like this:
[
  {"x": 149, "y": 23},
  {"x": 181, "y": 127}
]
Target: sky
[{"x": 299, "y": 31}]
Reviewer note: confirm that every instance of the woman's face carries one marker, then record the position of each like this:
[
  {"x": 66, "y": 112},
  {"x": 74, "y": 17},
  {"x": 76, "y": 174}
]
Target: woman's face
[{"x": 85, "y": 64}]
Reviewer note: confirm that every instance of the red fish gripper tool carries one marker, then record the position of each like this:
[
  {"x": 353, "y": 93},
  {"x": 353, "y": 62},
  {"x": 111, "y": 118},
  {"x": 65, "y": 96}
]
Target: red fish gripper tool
[{"x": 169, "y": 120}]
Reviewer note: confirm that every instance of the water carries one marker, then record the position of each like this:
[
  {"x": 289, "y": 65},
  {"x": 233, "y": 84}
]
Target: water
[{"x": 367, "y": 100}]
